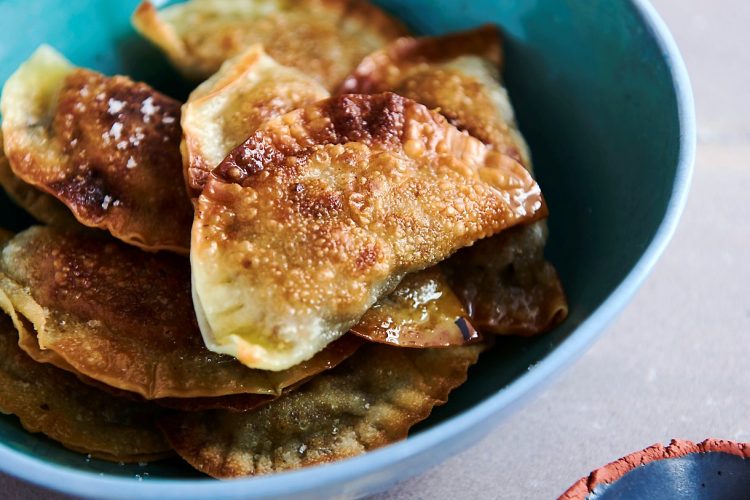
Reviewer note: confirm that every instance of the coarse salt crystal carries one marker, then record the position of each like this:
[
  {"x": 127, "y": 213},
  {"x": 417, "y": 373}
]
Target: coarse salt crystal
[
  {"x": 131, "y": 163},
  {"x": 116, "y": 130},
  {"x": 148, "y": 109},
  {"x": 106, "y": 202},
  {"x": 115, "y": 106}
]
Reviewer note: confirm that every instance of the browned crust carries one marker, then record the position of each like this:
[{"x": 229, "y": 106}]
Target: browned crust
[
  {"x": 260, "y": 100},
  {"x": 614, "y": 471},
  {"x": 87, "y": 301},
  {"x": 81, "y": 418},
  {"x": 196, "y": 169},
  {"x": 118, "y": 169},
  {"x": 367, "y": 187},
  {"x": 42, "y": 206},
  {"x": 375, "y": 73},
  {"x": 147, "y": 21},
  {"x": 368, "y": 402}
]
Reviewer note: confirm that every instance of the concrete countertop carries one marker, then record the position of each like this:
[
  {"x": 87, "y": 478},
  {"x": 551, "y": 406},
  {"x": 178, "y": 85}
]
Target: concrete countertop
[{"x": 675, "y": 362}]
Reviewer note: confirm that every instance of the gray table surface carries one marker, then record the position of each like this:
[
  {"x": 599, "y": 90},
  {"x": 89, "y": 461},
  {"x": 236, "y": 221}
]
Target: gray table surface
[{"x": 674, "y": 364}]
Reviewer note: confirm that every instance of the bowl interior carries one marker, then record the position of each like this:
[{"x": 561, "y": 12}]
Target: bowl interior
[{"x": 595, "y": 99}]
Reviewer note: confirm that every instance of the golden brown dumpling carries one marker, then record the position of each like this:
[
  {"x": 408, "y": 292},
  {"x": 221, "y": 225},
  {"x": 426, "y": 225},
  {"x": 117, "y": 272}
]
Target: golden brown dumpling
[
  {"x": 457, "y": 74},
  {"x": 124, "y": 318},
  {"x": 323, "y": 38},
  {"x": 227, "y": 108},
  {"x": 507, "y": 284},
  {"x": 81, "y": 418},
  {"x": 367, "y": 402},
  {"x": 504, "y": 281},
  {"x": 302, "y": 228},
  {"x": 44, "y": 207},
  {"x": 106, "y": 147}
]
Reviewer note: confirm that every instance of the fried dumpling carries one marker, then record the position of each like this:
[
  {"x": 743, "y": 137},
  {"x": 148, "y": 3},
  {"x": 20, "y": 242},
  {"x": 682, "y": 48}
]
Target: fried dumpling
[
  {"x": 504, "y": 281},
  {"x": 124, "y": 318},
  {"x": 458, "y": 74},
  {"x": 322, "y": 38},
  {"x": 369, "y": 401},
  {"x": 303, "y": 227},
  {"x": 227, "y": 108},
  {"x": 507, "y": 284},
  {"x": 27, "y": 342},
  {"x": 44, "y": 207},
  {"x": 106, "y": 147},
  {"x": 84, "y": 419},
  {"x": 423, "y": 311}
]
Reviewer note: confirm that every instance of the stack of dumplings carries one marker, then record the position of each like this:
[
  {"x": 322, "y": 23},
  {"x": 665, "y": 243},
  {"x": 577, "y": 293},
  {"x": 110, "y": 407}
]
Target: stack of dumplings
[{"x": 294, "y": 266}]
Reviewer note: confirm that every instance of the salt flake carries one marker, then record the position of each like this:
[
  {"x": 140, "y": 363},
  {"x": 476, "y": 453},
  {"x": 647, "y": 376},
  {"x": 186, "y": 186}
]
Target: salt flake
[
  {"x": 115, "y": 106},
  {"x": 116, "y": 130}
]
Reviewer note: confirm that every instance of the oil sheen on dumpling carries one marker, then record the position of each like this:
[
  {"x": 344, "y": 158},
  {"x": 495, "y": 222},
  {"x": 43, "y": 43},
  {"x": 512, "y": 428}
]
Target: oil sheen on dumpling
[
  {"x": 423, "y": 311},
  {"x": 227, "y": 108},
  {"x": 323, "y": 211},
  {"x": 323, "y": 38},
  {"x": 504, "y": 282},
  {"x": 106, "y": 147}
]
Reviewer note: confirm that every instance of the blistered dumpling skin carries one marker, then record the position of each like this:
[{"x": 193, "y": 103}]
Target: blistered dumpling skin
[
  {"x": 226, "y": 109},
  {"x": 325, "y": 39},
  {"x": 302, "y": 228},
  {"x": 106, "y": 147},
  {"x": 458, "y": 74},
  {"x": 504, "y": 282}
]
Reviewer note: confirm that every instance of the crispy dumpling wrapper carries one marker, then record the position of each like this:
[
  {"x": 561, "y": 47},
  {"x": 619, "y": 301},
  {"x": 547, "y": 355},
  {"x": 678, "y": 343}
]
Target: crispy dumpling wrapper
[
  {"x": 106, "y": 147},
  {"x": 229, "y": 107},
  {"x": 507, "y": 285},
  {"x": 369, "y": 401},
  {"x": 42, "y": 206},
  {"x": 457, "y": 74},
  {"x": 504, "y": 282},
  {"x": 124, "y": 318},
  {"x": 421, "y": 312},
  {"x": 28, "y": 343},
  {"x": 84, "y": 419},
  {"x": 323, "y": 211},
  {"x": 325, "y": 39}
]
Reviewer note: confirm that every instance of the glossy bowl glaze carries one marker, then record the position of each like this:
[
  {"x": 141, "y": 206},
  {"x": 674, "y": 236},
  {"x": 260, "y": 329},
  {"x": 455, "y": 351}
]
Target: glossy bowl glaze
[
  {"x": 604, "y": 100},
  {"x": 712, "y": 469}
]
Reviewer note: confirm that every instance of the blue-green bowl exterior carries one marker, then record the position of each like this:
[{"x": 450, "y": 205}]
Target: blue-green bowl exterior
[{"x": 604, "y": 100}]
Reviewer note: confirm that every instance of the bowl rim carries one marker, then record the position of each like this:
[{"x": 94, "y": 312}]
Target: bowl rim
[{"x": 90, "y": 484}]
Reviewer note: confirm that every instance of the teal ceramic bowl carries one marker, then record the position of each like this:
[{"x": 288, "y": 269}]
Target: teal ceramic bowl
[{"x": 605, "y": 103}]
